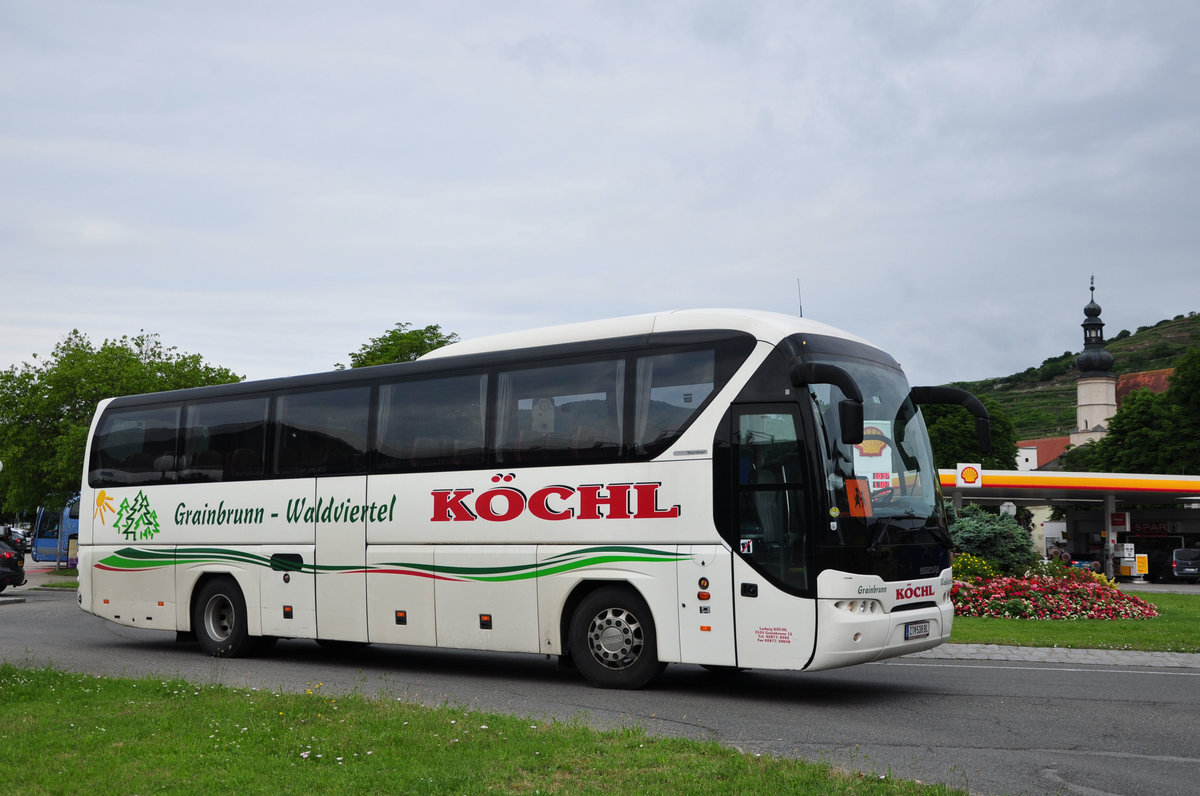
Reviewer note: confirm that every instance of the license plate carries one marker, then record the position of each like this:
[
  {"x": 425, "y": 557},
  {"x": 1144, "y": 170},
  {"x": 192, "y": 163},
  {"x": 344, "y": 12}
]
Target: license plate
[{"x": 916, "y": 630}]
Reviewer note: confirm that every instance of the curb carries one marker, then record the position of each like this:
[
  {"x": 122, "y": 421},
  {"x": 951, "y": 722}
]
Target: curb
[{"x": 1085, "y": 657}]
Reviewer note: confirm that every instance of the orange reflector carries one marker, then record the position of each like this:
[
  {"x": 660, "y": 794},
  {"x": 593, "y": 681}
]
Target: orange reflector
[
  {"x": 402, "y": 617},
  {"x": 703, "y": 595},
  {"x": 106, "y": 601},
  {"x": 160, "y": 603},
  {"x": 706, "y": 628}
]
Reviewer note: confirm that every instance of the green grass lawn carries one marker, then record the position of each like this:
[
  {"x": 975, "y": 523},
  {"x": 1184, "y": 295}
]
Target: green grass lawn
[
  {"x": 74, "y": 733},
  {"x": 107, "y": 735},
  {"x": 1175, "y": 629},
  {"x": 70, "y": 576}
]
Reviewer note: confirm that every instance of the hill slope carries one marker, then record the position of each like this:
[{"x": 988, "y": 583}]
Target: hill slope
[{"x": 1040, "y": 401}]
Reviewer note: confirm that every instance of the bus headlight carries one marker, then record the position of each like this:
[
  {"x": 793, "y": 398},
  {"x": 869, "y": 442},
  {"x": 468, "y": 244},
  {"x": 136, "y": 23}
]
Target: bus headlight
[{"x": 859, "y": 606}]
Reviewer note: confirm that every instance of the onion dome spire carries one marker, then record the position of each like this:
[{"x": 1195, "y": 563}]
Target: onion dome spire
[{"x": 1095, "y": 359}]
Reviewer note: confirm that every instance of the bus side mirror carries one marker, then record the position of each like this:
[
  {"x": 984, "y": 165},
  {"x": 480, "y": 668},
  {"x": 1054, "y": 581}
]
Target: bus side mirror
[
  {"x": 953, "y": 395},
  {"x": 850, "y": 414},
  {"x": 850, "y": 409}
]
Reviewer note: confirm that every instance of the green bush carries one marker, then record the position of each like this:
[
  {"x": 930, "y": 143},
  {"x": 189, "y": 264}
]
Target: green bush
[{"x": 995, "y": 537}]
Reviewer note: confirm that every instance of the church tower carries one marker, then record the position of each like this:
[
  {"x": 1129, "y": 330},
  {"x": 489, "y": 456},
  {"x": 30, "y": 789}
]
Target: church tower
[{"x": 1096, "y": 387}]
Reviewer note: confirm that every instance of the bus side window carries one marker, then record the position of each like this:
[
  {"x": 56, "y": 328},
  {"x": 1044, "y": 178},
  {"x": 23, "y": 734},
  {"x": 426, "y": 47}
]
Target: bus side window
[
  {"x": 225, "y": 440},
  {"x": 431, "y": 423},
  {"x": 135, "y": 447},
  {"x": 322, "y": 432},
  {"x": 560, "y": 414},
  {"x": 671, "y": 389}
]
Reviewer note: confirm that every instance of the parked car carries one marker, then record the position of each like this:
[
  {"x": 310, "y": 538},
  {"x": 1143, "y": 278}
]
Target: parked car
[
  {"x": 21, "y": 539},
  {"x": 1185, "y": 564},
  {"x": 12, "y": 565}
]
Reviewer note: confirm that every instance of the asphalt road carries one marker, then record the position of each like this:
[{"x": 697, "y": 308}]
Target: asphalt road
[{"x": 990, "y": 727}]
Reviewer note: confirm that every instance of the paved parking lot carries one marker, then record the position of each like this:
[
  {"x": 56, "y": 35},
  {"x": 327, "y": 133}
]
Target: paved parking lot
[{"x": 39, "y": 575}]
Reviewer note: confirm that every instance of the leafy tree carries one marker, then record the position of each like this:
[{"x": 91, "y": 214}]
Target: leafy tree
[
  {"x": 401, "y": 344},
  {"x": 46, "y": 407},
  {"x": 1185, "y": 383},
  {"x": 1085, "y": 458},
  {"x": 954, "y": 439},
  {"x": 999, "y": 538}
]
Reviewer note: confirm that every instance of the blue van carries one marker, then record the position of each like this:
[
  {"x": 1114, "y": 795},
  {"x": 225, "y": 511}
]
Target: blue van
[{"x": 53, "y": 530}]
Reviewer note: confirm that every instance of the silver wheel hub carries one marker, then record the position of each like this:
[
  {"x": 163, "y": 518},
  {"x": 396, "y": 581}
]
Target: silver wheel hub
[
  {"x": 218, "y": 617},
  {"x": 615, "y": 638}
]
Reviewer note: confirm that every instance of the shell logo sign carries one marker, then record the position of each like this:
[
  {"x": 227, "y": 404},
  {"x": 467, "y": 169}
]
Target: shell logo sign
[
  {"x": 969, "y": 475},
  {"x": 873, "y": 443}
]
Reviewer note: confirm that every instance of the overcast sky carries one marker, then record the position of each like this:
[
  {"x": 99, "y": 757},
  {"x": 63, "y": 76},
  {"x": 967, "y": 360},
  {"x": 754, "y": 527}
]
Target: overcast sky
[{"x": 272, "y": 184}]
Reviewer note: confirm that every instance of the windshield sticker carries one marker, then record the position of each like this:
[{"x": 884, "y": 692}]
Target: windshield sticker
[{"x": 858, "y": 498}]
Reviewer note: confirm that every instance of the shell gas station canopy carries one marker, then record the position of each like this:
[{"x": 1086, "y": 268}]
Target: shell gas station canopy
[{"x": 1043, "y": 488}]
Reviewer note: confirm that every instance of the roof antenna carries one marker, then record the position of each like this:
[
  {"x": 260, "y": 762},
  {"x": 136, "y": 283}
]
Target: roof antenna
[{"x": 799, "y": 297}]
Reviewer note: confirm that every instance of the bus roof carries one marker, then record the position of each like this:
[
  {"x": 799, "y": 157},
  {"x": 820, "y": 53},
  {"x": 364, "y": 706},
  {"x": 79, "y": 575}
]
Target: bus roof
[{"x": 768, "y": 326}]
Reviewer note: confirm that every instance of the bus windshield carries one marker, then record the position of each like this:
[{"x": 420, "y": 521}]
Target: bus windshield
[{"x": 884, "y": 496}]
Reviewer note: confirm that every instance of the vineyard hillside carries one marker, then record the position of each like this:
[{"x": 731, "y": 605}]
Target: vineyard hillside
[{"x": 1040, "y": 400}]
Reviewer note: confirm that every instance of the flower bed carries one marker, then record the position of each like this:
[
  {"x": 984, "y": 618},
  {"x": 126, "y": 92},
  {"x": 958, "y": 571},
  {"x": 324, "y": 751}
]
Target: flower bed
[{"x": 1045, "y": 597}]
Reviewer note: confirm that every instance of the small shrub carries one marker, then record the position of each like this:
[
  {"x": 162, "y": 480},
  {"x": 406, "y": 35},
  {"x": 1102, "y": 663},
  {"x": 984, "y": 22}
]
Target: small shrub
[
  {"x": 996, "y": 537},
  {"x": 968, "y": 567}
]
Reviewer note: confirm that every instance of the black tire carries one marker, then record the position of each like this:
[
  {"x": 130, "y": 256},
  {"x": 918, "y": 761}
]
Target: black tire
[
  {"x": 219, "y": 620},
  {"x": 612, "y": 639}
]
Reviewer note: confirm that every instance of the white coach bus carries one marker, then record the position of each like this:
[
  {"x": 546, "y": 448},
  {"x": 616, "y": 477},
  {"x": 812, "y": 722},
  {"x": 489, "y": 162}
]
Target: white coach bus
[{"x": 728, "y": 488}]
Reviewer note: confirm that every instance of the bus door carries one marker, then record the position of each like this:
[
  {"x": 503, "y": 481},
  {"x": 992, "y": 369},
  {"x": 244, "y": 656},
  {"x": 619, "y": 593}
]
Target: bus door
[
  {"x": 287, "y": 590},
  {"x": 53, "y": 530},
  {"x": 342, "y": 558},
  {"x": 45, "y": 534},
  {"x": 773, "y": 581}
]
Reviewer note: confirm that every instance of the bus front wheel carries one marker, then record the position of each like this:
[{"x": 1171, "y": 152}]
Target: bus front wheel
[
  {"x": 219, "y": 620},
  {"x": 612, "y": 639}
]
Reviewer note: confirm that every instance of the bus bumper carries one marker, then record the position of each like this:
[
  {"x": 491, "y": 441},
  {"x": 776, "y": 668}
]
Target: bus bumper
[{"x": 849, "y": 634}]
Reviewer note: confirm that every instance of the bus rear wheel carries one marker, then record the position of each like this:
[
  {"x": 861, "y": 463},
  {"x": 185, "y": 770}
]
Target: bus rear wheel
[
  {"x": 612, "y": 639},
  {"x": 219, "y": 620}
]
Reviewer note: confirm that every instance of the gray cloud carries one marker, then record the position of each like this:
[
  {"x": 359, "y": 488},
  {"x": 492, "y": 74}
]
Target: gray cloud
[{"x": 270, "y": 186}]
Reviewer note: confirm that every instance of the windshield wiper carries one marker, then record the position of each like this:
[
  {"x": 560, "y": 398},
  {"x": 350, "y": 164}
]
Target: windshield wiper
[{"x": 884, "y": 525}]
